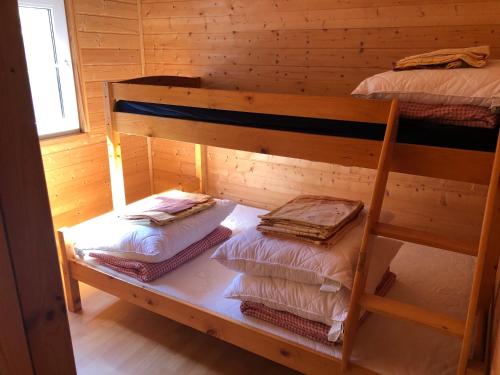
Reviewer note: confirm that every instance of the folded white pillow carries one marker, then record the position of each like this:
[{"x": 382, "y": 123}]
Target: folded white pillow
[
  {"x": 466, "y": 86},
  {"x": 306, "y": 300},
  {"x": 265, "y": 255},
  {"x": 147, "y": 243}
]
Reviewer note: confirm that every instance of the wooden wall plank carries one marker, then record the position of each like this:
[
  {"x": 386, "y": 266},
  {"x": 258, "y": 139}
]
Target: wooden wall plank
[
  {"x": 104, "y": 24},
  {"x": 293, "y": 57},
  {"x": 185, "y": 8},
  {"x": 196, "y": 8},
  {"x": 468, "y": 13},
  {"x": 110, "y": 56},
  {"x": 424, "y": 37},
  {"x": 108, "y": 40},
  {"x": 112, "y": 73},
  {"x": 107, "y": 8}
]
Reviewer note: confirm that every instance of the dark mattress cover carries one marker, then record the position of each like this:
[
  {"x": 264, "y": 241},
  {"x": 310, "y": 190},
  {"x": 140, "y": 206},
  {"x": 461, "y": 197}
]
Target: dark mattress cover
[{"x": 410, "y": 131}]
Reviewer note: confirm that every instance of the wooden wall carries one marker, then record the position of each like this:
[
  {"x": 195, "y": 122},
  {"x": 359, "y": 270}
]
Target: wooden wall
[
  {"x": 321, "y": 47},
  {"x": 107, "y": 44}
]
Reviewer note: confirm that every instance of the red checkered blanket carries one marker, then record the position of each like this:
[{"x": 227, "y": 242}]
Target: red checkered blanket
[
  {"x": 148, "y": 272},
  {"x": 315, "y": 331},
  {"x": 463, "y": 115}
]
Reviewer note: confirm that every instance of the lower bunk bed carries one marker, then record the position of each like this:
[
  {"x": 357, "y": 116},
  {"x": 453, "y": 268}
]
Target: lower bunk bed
[
  {"x": 433, "y": 289},
  {"x": 193, "y": 295}
]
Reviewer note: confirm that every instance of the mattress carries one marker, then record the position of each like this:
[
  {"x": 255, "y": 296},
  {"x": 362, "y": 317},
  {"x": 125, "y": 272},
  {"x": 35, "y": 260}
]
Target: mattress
[
  {"x": 383, "y": 345},
  {"x": 410, "y": 131}
]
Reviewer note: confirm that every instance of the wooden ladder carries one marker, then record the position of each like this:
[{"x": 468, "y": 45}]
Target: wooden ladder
[{"x": 484, "y": 272}]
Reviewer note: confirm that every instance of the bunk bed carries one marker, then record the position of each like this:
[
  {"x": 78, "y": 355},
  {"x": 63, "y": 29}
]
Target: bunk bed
[{"x": 346, "y": 131}]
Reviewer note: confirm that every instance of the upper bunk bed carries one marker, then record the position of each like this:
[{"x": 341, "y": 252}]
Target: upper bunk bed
[{"x": 339, "y": 130}]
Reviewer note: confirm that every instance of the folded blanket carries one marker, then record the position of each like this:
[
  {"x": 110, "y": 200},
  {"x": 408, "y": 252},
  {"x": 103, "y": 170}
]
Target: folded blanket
[
  {"x": 330, "y": 241},
  {"x": 462, "y": 115},
  {"x": 310, "y": 217},
  {"x": 148, "y": 272},
  {"x": 167, "y": 207},
  {"x": 446, "y": 58},
  {"x": 315, "y": 331}
]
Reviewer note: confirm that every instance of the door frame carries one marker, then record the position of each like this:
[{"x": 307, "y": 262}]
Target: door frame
[{"x": 37, "y": 337}]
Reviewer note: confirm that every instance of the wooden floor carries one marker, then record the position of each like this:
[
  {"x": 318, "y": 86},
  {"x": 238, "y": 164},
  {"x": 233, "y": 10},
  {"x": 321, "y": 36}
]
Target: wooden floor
[{"x": 111, "y": 336}]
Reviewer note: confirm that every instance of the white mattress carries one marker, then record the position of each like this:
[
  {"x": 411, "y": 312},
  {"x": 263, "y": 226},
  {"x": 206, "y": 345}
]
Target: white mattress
[{"x": 430, "y": 278}]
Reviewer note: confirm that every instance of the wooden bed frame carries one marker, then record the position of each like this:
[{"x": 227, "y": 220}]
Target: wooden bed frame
[{"x": 453, "y": 164}]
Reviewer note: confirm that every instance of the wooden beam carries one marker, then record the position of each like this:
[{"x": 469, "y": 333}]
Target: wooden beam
[
  {"x": 162, "y": 81},
  {"x": 365, "y": 252},
  {"x": 81, "y": 94},
  {"x": 439, "y": 162},
  {"x": 346, "y": 151},
  {"x": 201, "y": 165},
  {"x": 486, "y": 296},
  {"x": 149, "y": 145},
  {"x": 71, "y": 287},
  {"x": 26, "y": 212},
  {"x": 325, "y": 107},
  {"x": 445, "y": 163},
  {"x": 484, "y": 254},
  {"x": 114, "y": 150}
]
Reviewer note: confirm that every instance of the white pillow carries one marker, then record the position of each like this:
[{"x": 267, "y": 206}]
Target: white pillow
[
  {"x": 305, "y": 300},
  {"x": 467, "y": 86},
  {"x": 265, "y": 255},
  {"x": 147, "y": 243}
]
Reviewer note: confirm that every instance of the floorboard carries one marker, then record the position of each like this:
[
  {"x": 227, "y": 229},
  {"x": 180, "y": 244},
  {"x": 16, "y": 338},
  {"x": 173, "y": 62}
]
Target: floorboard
[{"x": 113, "y": 337}]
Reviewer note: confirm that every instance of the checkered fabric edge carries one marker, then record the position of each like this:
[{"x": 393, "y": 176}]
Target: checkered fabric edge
[
  {"x": 462, "y": 115},
  {"x": 315, "y": 331},
  {"x": 148, "y": 272}
]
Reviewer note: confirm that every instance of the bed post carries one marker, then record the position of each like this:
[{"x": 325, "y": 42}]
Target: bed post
[
  {"x": 200, "y": 152},
  {"x": 114, "y": 149},
  {"x": 488, "y": 281},
  {"x": 71, "y": 287},
  {"x": 483, "y": 283}
]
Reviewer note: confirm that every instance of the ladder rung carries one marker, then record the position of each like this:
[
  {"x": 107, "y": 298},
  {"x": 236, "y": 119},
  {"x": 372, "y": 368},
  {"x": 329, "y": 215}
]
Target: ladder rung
[
  {"x": 423, "y": 238},
  {"x": 396, "y": 309}
]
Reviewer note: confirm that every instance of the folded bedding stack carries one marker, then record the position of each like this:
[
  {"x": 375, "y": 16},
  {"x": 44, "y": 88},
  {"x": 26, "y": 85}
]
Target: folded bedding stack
[
  {"x": 318, "y": 219},
  {"x": 314, "y": 330},
  {"x": 168, "y": 207},
  {"x": 145, "y": 251},
  {"x": 299, "y": 285},
  {"x": 468, "y": 95}
]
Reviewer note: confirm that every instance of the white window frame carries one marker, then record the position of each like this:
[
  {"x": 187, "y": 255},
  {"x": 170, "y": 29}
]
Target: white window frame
[{"x": 64, "y": 61}]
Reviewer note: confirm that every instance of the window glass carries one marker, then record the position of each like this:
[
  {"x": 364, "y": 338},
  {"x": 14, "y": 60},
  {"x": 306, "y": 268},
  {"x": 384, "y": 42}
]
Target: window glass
[{"x": 49, "y": 67}]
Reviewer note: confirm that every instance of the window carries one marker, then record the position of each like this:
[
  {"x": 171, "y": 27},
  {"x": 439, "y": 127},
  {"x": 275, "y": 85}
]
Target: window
[{"x": 46, "y": 44}]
